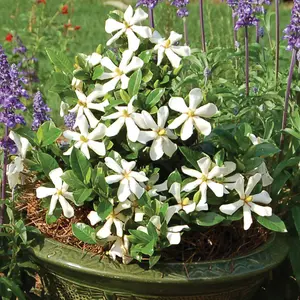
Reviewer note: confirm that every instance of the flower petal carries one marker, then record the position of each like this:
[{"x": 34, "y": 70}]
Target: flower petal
[
  {"x": 195, "y": 98},
  {"x": 173, "y": 58},
  {"x": 98, "y": 133},
  {"x": 206, "y": 111},
  {"x": 138, "y": 215},
  {"x": 124, "y": 81},
  {"x": 113, "y": 178},
  {"x": 126, "y": 57},
  {"x": 97, "y": 147},
  {"x": 112, "y": 25},
  {"x": 68, "y": 210},
  {"x": 150, "y": 123},
  {"x": 115, "y": 128},
  {"x": 156, "y": 150},
  {"x": 263, "y": 198},
  {"x": 113, "y": 165},
  {"x": 132, "y": 130},
  {"x": 105, "y": 231},
  {"x": 128, "y": 14},
  {"x": 175, "y": 190},
  {"x": 174, "y": 209},
  {"x": 146, "y": 136},
  {"x": 202, "y": 126},
  {"x": 160, "y": 55},
  {"x": 175, "y": 37},
  {"x": 217, "y": 188},
  {"x": 162, "y": 116},
  {"x": 111, "y": 85},
  {"x": 136, "y": 63},
  {"x": 115, "y": 37},
  {"x": 119, "y": 227},
  {"x": 192, "y": 185},
  {"x": 191, "y": 172},
  {"x": 203, "y": 191},
  {"x": 247, "y": 217},
  {"x": 98, "y": 106},
  {"x": 155, "y": 220},
  {"x": 72, "y": 135},
  {"x": 189, "y": 208},
  {"x": 187, "y": 129},
  {"x": 139, "y": 16},
  {"x": 138, "y": 176},
  {"x": 263, "y": 211},
  {"x": 230, "y": 209},
  {"x": 98, "y": 92},
  {"x": 85, "y": 150},
  {"x": 204, "y": 164},
  {"x": 136, "y": 188},
  {"x": 252, "y": 182},
  {"x": 156, "y": 38},
  {"x": 83, "y": 126},
  {"x": 107, "y": 63},
  {"x": 240, "y": 187},
  {"x": 174, "y": 238},
  {"x": 143, "y": 31},
  {"x": 124, "y": 190},
  {"x": 55, "y": 177},
  {"x": 178, "y": 104},
  {"x": 169, "y": 147},
  {"x": 178, "y": 121},
  {"x": 53, "y": 204},
  {"x": 181, "y": 50},
  {"x": 116, "y": 115},
  {"x": 90, "y": 116},
  {"x": 127, "y": 165}
]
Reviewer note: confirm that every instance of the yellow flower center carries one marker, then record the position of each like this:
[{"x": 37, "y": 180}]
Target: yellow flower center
[
  {"x": 248, "y": 199},
  {"x": 126, "y": 24},
  {"x": 126, "y": 175},
  {"x": 125, "y": 113},
  {"x": 59, "y": 192},
  {"x": 81, "y": 103},
  {"x": 185, "y": 201},
  {"x": 191, "y": 113},
  {"x": 203, "y": 178},
  {"x": 162, "y": 132},
  {"x": 167, "y": 44},
  {"x": 83, "y": 139},
  {"x": 118, "y": 72},
  {"x": 148, "y": 188}
]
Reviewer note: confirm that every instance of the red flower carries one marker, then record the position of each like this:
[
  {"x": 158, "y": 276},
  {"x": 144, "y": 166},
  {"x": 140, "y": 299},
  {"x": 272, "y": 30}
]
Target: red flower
[
  {"x": 64, "y": 9},
  {"x": 9, "y": 37},
  {"x": 77, "y": 27},
  {"x": 41, "y": 1},
  {"x": 68, "y": 25}
]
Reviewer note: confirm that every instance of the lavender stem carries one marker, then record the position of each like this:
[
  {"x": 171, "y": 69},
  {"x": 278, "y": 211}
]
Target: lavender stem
[
  {"x": 257, "y": 33},
  {"x": 277, "y": 40},
  {"x": 151, "y": 17},
  {"x": 202, "y": 25},
  {"x": 287, "y": 97},
  {"x": 247, "y": 59},
  {"x": 185, "y": 32},
  {"x": 4, "y": 179},
  {"x": 234, "y": 31}
]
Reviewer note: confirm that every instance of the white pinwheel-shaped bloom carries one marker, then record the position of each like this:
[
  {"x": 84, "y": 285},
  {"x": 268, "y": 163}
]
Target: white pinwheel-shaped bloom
[
  {"x": 173, "y": 232},
  {"x": 129, "y": 180},
  {"x": 85, "y": 140},
  {"x": 129, "y": 63},
  {"x": 262, "y": 169},
  {"x": 152, "y": 188},
  {"x": 130, "y": 27},
  {"x": 192, "y": 116},
  {"x": 59, "y": 193},
  {"x": 248, "y": 201},
  {"x": 183, "y": 204},
  {"x": 207, "y": 179},
  {"x": 86, "y": 103},
  {"x": 127, "y": 116},
  {"x": 16, "y": 167},
  {"x": 120, "y": 248},
  {"x": 169, "y": 48},
  {"x": 94, "y": 59},
  {"x": 115, "y": 218},
  {"x": 77, "y": 84},
  {"x": 160, "y": 134}
]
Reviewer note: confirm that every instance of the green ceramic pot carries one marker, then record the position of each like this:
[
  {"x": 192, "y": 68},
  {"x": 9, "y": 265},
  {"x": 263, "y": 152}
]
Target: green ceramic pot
[{"x": 69, "y": 274}]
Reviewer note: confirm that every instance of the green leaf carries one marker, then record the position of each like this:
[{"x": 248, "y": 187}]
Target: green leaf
[
  {"x": 141, "y": 236},
  {"x": 153, "y": 260},
  {"x": 21, "y": 230},
  {"x": 294, "y": 255},
  {"x": 174, "y": 177},
  {"x": 225, "y": 139},
  {"x": 85, "y": 233},
  {"x": 208, "y": 219},
  {"x": 219, "y": 158},
  {"x": 72, "y": 180},
  {"x": 60, "y": 60},
  {"x": 145, "y": 56},
  {"x": 134, "y": 83},
  {"x": 285, "y": 164},
  {"x": 252, "y": 163},
  {"x": 191, "y": 156},
  {"x": 27, "y": 133},
  {"x": 273, "y": 223},
  {"x": 48, "y": 163},
  {"x": 81, "y": 195},
  {"x": 81, "y": 74},
  {"x": 292, "y": 133},
  {"x": 104, "y": 209},
  {"x": 296, "y": 217},
  {"x": 98, "y": 71},
  {"x": 10, "y": 285},
  {"x": 263, "y": 149},
  {"x": 149, "y": 248},
  {"x": 80, "y": 165},
  {"x": 154, "y": 97},
  {"x": 125, "y": 97},
  {"x": 279, "y": 183},
  {"x": 100, "y": 182},
  {"x": 48, "y": 133}
]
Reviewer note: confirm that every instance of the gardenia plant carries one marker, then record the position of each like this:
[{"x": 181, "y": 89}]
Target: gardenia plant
[{"x": 150, "y": 159}]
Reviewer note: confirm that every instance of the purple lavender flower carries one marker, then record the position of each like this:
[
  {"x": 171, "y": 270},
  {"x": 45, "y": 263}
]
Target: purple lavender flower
[
  {"x": 70, "y": 120},
  {"x": 147, "y": 3},
  {"x": 182, "y": 11},
  {"x": 20, "y": 49},
  {"x": 8, "y": 144},
  {"x": 40, "y": 111},
  {"x": 292, "y": 31}
]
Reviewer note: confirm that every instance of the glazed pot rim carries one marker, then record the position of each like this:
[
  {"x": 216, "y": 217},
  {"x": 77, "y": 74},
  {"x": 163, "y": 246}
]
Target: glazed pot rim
[{"x": 58, "y": 256}]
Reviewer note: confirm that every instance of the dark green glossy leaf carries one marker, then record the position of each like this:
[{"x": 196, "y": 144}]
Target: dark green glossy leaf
[
  {"x": 191, "y": 156},
  {"x": 80, "y": 165},
  {"x": 104, "y": 209},
  {"x": 72, "y": 180},
  {"x": 85, "y": 233},
  {"x": 208, "y": 219},
  {"x": 135, "y": 83},
  {"x": 48, "y": 133},
  {"x": 273, "y": 223},
  {"x": 81, "y": 195},
  {"x": 154, "y": 97},
  {"x": 48, "y": 163}
]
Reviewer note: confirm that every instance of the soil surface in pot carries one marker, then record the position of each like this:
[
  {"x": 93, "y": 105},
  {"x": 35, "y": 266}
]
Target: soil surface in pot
[{"x": 211, "y": 243}]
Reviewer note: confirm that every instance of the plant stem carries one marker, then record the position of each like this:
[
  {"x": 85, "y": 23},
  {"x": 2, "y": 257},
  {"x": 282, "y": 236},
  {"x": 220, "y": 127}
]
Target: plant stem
[
  {"x": 151, "y": 17},
  {"x": 185, "y": 32},
  {"x": 277, "y": 40},
  {"x": 257, "y": 32},
  {"x": 287, "y": 97},
  {"x": 202, "y": 25},
  {"x": 234, "y": 31},
  {"x": 4, "y": 179},
  {"x": 247, "y": 60}
]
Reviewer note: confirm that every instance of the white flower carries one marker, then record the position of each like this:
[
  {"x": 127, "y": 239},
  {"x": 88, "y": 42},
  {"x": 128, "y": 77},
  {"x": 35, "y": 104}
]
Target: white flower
[
  {"x": 115, "y": 218},
  {"x": 94, "y": 59},
  {"x": 173, "y": 232},
  {"x": 129, "y": 27},
  {"x": 248, "y": 201},
  {"x": 207, "y": 178},
  {"x": 120, "y": 248},
  {"x": 127, "y": 65},
  {"x": 192, "y": 116},
  {"x": 168, "y": 47},
  {"x": 85, "y": 105},
  {"x": 128, "y": 179},
  {"x": 153, "y": 189},
  {"x": 59, "y": 192},
  {"x": 85, "y": 140},
  {"x": 64, "y": 109},
  {"x": 183, "y": 204},
  {"x": 77, "y": 84},
  {"x": 126, "y": 115},
  {"x": 262, "y": 168},
  {"x": 160, "y": 135},
  {"x": 15, "y": 168}
]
